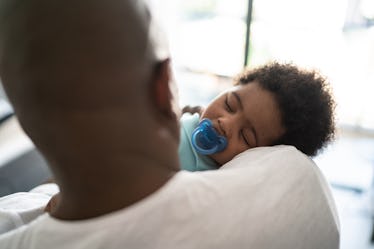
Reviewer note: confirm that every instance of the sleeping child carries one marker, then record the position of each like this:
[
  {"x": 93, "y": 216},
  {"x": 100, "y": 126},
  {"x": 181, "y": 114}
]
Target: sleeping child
[{"x": 270, "y": 105}]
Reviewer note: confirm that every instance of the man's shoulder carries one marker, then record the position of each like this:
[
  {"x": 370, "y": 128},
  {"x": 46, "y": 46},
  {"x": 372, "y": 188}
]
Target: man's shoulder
[
  {"x": 270, "y": 201},
  {"x": 16, "y": 239}
]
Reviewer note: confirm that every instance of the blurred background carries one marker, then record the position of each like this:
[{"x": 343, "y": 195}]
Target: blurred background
[{"x": 212, "y": 40}]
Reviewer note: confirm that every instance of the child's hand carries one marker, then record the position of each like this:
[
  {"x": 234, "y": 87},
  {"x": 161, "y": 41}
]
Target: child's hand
[
  {"x": 51, "y": 205},
  {"x": 193, "y": 109}
]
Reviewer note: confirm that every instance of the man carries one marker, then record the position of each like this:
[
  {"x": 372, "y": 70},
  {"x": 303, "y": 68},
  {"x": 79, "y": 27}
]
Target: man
[{"x": 91, "y": 86}]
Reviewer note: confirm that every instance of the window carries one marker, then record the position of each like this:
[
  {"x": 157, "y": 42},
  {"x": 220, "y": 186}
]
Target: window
[{"x": 208, "y": 40}]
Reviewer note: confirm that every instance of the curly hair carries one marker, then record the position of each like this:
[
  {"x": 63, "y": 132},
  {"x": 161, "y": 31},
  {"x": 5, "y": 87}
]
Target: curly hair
[{"x": 305, "y": 102}]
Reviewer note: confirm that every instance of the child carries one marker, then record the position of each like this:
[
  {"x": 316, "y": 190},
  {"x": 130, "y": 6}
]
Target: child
[{"x": 273, "y": 104}]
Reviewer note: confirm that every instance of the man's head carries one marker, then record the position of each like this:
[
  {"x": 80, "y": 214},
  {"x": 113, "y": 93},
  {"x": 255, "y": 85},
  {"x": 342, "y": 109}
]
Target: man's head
[
  {"x": 274, "y": 104},
  {"x": 85, "y": 74}
]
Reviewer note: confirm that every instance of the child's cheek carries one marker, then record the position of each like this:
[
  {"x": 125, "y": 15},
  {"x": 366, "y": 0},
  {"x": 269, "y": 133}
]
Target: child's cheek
[
  {"x": 207, "y": 114},
  {"x": 223, "y": 156}
]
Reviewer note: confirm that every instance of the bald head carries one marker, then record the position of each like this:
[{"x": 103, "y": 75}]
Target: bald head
[
  {"x": 85, "y": 53},
  {"x": 90, "y": 84},
  {"x": 73, "y": 67}
]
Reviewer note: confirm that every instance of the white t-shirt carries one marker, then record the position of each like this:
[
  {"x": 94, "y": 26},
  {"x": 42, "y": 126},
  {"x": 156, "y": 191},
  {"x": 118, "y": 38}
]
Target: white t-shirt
[{"x": 272, "y": 197}]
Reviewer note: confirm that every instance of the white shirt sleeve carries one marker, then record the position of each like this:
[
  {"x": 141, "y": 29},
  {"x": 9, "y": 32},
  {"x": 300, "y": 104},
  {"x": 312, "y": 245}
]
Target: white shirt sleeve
[{"x": 21, "y": 208}]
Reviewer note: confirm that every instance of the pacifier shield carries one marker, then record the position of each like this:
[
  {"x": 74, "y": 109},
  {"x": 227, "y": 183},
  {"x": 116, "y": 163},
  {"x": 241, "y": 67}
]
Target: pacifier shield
[{"x": 206, "y": 140}]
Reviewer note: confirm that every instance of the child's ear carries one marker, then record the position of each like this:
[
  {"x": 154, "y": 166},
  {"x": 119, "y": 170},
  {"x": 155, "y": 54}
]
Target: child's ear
[{"x": 161, "y": 88}]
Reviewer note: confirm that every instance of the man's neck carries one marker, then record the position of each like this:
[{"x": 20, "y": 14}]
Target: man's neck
[
  {"x": 102, "y": 165},
  {"x": 109, "y": 187}
]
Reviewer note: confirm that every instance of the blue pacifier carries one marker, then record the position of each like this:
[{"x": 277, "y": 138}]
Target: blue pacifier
[{"x": 206, "y": 140}]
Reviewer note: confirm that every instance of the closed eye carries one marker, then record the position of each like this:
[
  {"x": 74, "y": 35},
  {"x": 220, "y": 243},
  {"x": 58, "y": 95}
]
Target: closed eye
[
  {"x": 244, "y": 138},
  {"x": 228, "y": 107}
]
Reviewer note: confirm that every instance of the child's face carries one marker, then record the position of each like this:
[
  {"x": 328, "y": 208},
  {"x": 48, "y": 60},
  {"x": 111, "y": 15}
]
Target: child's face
[{"x": 248, "y": 116}]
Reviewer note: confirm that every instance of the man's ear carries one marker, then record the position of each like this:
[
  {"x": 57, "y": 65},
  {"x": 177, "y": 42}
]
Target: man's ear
[{"x": 161, "y": 88}]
